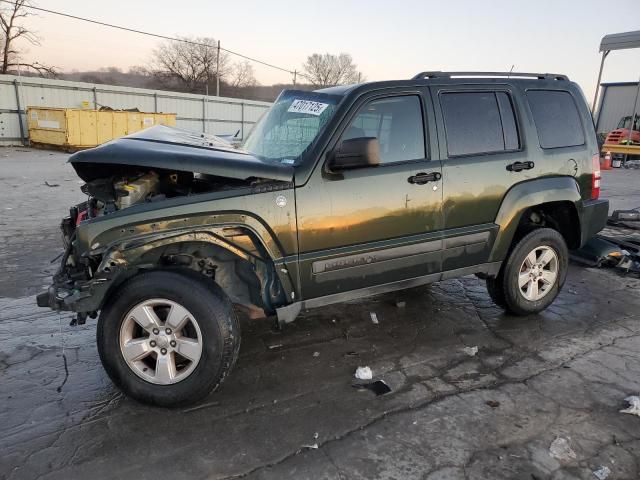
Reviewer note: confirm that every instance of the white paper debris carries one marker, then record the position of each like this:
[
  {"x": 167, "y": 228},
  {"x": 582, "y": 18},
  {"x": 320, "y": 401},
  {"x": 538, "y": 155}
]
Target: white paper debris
[
  {"x": 471, "y": 351},
  {"x": 634, "y": 405},
  {"x": 561, "y": 450},
  {"x": 364, "y": 373},
  {"x": 314, "y": 446},
  {"x": 374, "y": 318},
  {"x": 602, "y": 473},
  {"x": 316, "y": 354}
]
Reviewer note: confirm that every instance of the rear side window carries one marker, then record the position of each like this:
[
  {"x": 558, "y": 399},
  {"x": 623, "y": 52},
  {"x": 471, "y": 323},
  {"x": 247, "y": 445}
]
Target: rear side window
[
  {"x": 556, "y": 117},
  {"x": 479, "y": 122}
]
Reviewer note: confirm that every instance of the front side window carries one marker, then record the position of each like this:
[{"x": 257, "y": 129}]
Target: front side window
[
  {"x": 397, "y": 124},
  {"x": 290, "y": 126},
  {"x": 479, "y": 123},
  {"x": 556, "y": 117}
]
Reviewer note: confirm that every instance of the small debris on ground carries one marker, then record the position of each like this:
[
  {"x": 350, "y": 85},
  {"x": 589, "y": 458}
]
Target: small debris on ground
[
  {"x": 379, "y": 387},
  {"x": 315, "y": 436},
  {"x": 602, "y": 473},
  {"x": 401, "y": 303},
  {"x": 561, "y": 450},
  {"x": 492, "y": 403},
  {"x": 313, "y": 447},
  {"x": 634, "y": 405},
  {"x": 316, "y": 354},
  {"x": 364, "y": 373},
  {"x": 272, "y": 347},
  {"x": 51, "y": 184},
  {"x": 471, "y": 351},
  {"x": 351, "y": 354},
  {"x": 374, "y": 318}
]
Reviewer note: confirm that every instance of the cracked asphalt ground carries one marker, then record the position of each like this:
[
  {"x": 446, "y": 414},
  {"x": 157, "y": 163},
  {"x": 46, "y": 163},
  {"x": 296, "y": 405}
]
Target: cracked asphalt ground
[{"x": 563, "y": 373}]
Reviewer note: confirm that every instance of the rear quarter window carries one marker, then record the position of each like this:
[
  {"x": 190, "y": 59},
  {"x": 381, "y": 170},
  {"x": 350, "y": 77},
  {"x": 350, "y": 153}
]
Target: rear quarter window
[{"x": 556, "y": 117}]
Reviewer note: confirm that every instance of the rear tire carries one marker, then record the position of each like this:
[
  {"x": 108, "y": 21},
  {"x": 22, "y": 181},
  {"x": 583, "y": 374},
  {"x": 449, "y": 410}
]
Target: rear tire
[
  {"x": 159, "y": 365},
  {"x": 533, "y": 274},
  {"x": 495, "y": 287}
]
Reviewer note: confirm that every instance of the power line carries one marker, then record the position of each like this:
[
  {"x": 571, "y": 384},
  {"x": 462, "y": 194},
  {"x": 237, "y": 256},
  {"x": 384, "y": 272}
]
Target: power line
[{"x": 156, "y": 35}]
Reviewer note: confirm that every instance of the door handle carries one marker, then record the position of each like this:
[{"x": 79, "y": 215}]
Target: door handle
[
  {"x": 519, "y": 166},
  {"x": 422, "y": 178}
]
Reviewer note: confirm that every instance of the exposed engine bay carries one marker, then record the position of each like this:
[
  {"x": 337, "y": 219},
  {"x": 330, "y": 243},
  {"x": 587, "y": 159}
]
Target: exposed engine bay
[{"x": 117, "y": 192}]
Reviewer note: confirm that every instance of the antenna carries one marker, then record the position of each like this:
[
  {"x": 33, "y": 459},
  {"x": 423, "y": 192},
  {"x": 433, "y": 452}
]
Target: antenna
[{"x": 511, "y": 71}]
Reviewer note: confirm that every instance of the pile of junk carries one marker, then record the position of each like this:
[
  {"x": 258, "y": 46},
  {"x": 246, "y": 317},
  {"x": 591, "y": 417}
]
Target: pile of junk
[{"x": 617, "y": 246}]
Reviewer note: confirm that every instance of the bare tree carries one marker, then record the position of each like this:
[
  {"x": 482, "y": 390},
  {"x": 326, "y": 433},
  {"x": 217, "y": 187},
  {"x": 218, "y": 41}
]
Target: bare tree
[
  {"x": 324, "y": 70},
  {"x": 191, "y": 63},
  {"x": 12, "y": 30},
  {"x": 242, "y": 75}
]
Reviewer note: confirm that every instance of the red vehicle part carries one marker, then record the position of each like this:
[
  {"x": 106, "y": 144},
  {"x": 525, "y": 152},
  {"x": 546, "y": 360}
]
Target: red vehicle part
[{"x": 621, "y": 135}]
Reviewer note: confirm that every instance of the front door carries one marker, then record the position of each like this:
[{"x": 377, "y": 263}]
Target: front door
[{"x": 377, "y": 225}]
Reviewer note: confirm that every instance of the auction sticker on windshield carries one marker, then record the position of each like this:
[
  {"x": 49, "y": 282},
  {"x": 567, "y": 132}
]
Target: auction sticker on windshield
[{"x": 307, "y": 106}]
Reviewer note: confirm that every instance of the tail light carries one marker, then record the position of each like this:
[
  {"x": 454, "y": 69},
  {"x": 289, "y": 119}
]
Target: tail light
[{"x": 595, "y": 177}]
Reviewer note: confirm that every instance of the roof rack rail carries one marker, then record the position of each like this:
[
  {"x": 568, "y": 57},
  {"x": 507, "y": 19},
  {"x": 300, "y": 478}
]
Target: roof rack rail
[{"x": 539, "y": 76}]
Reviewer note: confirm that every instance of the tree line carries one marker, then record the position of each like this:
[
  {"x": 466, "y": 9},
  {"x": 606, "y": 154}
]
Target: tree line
[{"x": 189, "y": 64}]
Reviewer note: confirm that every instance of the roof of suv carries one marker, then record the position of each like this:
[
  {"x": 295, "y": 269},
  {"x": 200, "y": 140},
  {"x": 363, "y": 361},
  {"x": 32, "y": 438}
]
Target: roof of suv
[{"x": 425, "y": 77}]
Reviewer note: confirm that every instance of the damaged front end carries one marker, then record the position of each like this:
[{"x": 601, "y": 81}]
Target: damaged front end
[
  {"x": 73, "y": 279},
  {"x": 169, "y": 199}
]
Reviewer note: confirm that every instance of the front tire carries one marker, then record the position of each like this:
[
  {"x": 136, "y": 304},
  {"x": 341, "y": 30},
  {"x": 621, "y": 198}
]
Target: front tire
[
  {"x": 533, "y": 274},
  {"x": 168, "y": 338}
]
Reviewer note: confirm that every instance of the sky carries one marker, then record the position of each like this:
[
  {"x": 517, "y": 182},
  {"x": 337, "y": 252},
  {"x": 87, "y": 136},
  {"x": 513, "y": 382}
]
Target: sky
[{"x": 387, "y": 39}]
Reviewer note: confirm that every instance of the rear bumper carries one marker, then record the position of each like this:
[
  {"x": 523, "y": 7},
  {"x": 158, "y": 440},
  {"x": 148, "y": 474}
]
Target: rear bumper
[{"x": 593, "y": 219}]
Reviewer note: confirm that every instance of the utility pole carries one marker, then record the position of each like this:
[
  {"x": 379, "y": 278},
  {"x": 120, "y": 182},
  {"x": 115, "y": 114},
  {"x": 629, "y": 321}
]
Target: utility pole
[
  {"x": 295, "y": 75},
  {"x": 218, "y": 70},
  {"x": 205, "y": 106}
]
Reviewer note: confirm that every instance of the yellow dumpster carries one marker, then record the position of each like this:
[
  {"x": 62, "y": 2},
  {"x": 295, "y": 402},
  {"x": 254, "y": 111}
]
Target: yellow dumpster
[{"x": 74, "y": 128}]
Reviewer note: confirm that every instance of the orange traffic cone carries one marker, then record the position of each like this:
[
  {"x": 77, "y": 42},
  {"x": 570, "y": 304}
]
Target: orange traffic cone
[{"x": 605, "y": 163}]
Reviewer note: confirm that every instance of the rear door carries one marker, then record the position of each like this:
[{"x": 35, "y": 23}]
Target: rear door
[{"x": 483, "y": 150}]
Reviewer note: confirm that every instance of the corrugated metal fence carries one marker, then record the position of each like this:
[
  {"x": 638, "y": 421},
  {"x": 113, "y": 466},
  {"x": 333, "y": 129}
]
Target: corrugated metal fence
[{"x": 217, "y": 115}]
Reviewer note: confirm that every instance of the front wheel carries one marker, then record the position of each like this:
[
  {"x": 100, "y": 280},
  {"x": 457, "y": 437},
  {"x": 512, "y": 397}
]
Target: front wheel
[
  {"x": 168, "y": 338},
  {"x": 533, "y": 274}
]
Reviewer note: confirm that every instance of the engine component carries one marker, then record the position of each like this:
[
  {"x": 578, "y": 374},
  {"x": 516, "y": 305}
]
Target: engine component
[{"x": 135, "y": 191}]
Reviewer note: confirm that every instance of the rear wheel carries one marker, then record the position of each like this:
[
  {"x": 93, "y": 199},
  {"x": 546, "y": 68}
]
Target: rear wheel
[
  {"x": 168, "y": 338},
  {"x": 533, "y": 274},
  {"x": 495, "y": 288}
]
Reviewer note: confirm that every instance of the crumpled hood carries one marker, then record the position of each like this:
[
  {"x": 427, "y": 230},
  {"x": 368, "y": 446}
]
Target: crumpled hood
[{"x": 171, "y": 148}]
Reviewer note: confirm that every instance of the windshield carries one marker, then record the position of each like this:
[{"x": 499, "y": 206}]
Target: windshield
[
  {"x": 290, "y": 126},
  {"x": 625, "y": 122}
]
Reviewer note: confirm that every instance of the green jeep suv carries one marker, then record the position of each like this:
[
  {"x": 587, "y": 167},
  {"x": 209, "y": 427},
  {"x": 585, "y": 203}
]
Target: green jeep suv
[{"x": 335, "y": 194}]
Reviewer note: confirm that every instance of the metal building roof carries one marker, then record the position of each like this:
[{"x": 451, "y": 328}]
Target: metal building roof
[{"x": 620, "y": 41}]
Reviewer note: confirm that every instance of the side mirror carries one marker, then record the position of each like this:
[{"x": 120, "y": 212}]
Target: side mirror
[{"x": 356, "y": 153}]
